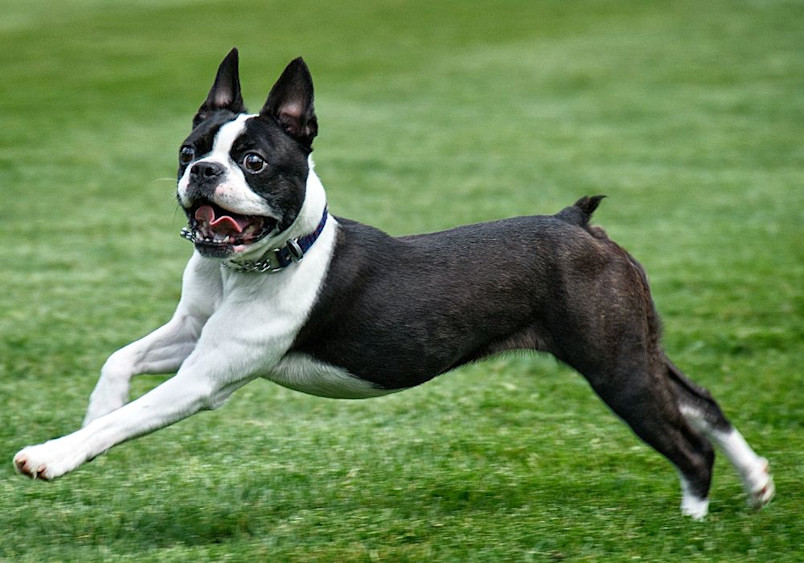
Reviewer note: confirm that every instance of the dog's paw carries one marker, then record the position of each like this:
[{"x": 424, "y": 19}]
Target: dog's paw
[
  {"x": 46, "y": 461},
  {"x": 695, "y": 508},
  {"x": 26, "y": 464},
  {"x": 759, "y": 487}
]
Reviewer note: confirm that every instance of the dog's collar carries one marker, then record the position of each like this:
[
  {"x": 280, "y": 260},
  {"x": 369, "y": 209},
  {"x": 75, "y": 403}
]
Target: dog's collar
[{"x": 278, "y": 259}]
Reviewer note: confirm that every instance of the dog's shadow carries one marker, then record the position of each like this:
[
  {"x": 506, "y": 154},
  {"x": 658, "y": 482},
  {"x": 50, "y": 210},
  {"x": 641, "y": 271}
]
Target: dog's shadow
[
  {"x": 258, "y": 509},
  {"x": 286, "y": 508}
]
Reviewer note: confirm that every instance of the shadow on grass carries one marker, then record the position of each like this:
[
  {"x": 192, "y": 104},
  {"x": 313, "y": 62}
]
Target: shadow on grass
[{"x": 285, "y": 509}]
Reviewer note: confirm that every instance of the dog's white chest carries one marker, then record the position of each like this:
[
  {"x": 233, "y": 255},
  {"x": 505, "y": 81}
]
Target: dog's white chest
[{"x": 303, "y": 373}]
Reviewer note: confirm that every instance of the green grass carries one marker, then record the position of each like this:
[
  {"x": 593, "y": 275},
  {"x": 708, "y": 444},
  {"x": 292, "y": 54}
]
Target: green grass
[{"x": 688, "y": 115}]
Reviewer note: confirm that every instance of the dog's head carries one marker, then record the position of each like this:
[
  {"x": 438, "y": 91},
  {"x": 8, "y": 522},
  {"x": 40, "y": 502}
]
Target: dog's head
[{"x": 242, "y": 177}]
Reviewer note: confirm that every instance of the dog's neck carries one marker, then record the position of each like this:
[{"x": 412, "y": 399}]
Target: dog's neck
[{"x": 274, "y": 254}]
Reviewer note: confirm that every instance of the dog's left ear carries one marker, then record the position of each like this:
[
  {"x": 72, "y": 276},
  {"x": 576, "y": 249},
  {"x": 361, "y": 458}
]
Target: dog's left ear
[
  {"x": 290, "y": 103},
  {"x": 225, "y": 92}
]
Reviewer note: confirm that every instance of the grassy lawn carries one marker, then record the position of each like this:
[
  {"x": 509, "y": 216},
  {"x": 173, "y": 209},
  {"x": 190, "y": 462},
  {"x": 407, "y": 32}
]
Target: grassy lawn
[{"x": 688, "y": 115}]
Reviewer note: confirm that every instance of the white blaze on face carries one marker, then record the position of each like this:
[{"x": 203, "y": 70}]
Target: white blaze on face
[{"x": 233, "y": 192}]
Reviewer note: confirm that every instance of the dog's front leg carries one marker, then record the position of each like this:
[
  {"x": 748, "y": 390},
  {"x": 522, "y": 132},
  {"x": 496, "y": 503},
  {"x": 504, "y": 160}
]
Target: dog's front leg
[
  {"x": 201, "y": 383},
  {"x": 162, "y": 351}
]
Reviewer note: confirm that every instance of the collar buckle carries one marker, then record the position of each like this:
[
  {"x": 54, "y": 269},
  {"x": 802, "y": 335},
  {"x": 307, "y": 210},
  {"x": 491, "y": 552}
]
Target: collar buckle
[{"x": 295, "y": 250}]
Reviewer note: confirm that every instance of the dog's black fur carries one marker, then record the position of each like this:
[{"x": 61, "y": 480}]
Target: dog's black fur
[{"x": 549, "y": 283}]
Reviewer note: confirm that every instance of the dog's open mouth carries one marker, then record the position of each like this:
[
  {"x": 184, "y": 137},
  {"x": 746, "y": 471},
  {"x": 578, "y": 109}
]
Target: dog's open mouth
[{"x": 221, "y": 231}]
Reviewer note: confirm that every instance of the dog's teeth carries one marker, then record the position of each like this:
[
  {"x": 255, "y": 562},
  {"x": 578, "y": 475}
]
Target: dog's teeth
[{"x": 220, "y": 238}]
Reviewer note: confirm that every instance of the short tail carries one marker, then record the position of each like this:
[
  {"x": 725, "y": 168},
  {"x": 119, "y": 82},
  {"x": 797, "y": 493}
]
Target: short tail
[{"x": 580, "y": 213}]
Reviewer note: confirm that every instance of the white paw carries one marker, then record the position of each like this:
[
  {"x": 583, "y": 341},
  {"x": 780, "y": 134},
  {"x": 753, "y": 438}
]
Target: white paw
[
  {"x": 49, "y": 460},
  {"x": 759, "y": 486},
  {"x": 695, "y": 508},
  {"x": 691, "y": 504}
]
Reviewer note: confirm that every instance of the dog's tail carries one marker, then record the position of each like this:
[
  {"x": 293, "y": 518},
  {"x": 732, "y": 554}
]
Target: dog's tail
[{"x": 580, "y": 213}]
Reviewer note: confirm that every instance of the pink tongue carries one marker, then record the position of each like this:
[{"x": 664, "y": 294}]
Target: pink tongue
[{"x": 224, "y": 225}]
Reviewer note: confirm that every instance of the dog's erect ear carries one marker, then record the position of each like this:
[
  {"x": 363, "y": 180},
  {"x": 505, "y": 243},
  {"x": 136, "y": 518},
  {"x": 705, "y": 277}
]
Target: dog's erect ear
[
  {"x": 225, "y": 92},
  {"x": 290, "y": 103}
]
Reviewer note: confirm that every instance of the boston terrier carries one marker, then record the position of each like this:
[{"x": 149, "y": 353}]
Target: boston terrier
[{"x": 278, "y": 288}]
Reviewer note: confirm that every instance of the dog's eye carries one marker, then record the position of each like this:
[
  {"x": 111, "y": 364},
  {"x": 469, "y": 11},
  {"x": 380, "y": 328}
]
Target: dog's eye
[
  {"x": 186, "y": 155},
  {"x": 254, "y": 163}
]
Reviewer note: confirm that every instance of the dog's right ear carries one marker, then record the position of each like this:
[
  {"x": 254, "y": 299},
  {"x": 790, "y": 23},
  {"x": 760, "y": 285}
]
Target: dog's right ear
[{"x": 225, "y": 92}]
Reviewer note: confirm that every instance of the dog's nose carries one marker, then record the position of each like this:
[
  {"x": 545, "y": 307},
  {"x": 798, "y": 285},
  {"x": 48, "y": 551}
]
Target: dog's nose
[{"x": 206, "y": 171}]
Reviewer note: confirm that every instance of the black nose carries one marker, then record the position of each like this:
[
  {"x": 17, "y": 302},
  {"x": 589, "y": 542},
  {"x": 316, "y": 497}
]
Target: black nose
[{"x": 206, "y": 171}]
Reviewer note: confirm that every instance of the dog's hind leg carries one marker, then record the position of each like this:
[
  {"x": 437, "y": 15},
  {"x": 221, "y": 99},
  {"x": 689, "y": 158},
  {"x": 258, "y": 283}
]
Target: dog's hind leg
[
  {"x": 701, "y": 410},
  {"x": 647, "y": 405},
  {"x": 613, "y": 341},
  {"x": 610, "y": 332}
]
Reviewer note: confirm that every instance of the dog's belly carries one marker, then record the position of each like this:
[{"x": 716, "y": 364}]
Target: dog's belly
[{"x": 301, "y": 372}]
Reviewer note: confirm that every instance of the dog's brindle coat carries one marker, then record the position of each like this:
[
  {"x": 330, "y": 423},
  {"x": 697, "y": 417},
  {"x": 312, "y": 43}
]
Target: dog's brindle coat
[{"x": 364, "y": 313}]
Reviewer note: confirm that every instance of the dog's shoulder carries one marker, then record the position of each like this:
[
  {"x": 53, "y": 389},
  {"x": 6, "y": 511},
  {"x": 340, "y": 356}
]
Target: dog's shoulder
[{"x": 354, "y": 236}]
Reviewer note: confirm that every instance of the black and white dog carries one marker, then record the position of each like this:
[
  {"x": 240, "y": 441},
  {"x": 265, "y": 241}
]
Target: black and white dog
[{"x": 277, "y": 288}]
